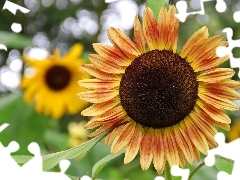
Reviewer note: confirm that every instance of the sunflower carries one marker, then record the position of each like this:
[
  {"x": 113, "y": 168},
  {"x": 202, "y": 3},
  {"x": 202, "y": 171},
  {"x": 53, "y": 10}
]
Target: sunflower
[
  {"x": 157, "y": 100},
  {"x": 77, "y": 133},
  {"x": 53, "y": 85}
]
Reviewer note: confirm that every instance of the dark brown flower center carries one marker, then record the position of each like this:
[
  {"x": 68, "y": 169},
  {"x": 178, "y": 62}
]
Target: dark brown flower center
[
  {"x": 159, "y": 89},
  {"x": 57, "y": 77}
]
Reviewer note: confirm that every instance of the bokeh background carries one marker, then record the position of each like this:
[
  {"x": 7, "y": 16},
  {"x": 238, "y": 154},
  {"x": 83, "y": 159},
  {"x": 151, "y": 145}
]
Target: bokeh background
[{"x": 60, "y": 24}]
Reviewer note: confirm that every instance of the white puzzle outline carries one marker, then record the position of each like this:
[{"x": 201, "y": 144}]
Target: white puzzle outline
[
  {"x": 227, "y": 150},
  {"x": 182, "y": 9},
  {"x": 33, "y": 169}
]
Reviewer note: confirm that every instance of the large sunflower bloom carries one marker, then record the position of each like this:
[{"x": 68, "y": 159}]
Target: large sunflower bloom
[
  {"x": 157, "y": 100},
  {"x": 53, "y": 86}
]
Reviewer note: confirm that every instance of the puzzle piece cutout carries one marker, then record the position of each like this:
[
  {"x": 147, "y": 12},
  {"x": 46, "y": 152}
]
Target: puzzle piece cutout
[
  {"x": 9, "y": 168},
  {"x": 12, "y": 7},
  {"x": 228, "y": 150},
  {"x": 182, "y": 9},
  {"x": 177, "y": 171},
  {"x": 223, "y": 51}
]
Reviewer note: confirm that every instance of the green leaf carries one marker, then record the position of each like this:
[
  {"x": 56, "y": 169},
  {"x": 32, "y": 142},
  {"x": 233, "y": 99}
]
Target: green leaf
[
  {"x": 22, "y": 159},
  {"x": 155, "y": 5},
  {"x": 14, "y": 40},
  {"x": 224, "y": 164},
  {"x": 51, "y": 160},
  {"x": 25, "y": 126},
  {"x": 102, "y": 163}
]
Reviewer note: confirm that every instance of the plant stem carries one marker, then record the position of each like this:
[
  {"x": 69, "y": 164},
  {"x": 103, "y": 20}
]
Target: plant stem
[
  {"x": 195, "y": 170},
  {"x": 168, "y": 175}
]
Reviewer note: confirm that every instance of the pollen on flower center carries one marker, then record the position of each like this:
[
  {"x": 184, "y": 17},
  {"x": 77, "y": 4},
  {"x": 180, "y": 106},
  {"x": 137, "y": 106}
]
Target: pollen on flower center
[
  {"x": 57, "y": 77},
  {"x": 159, "y": 89}
]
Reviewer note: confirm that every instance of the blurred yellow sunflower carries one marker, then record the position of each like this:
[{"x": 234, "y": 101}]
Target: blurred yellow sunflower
[
  {"x": 77, "y": 133},
  {"x": 157, "y": 100},
  {"x": 53, "y": 85},
  {"x": 234, "y": 133}
]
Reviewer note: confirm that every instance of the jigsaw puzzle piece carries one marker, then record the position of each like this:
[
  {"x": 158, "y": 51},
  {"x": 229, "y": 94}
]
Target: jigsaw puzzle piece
[{"x": 182, "y": 9}]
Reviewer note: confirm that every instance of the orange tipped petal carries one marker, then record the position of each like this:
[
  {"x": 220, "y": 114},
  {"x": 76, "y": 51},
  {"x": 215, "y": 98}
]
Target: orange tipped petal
[
  {"x": 112, "y": 54},
  {"x": 98, "y": 96},
  {"x": 146, "y": 153},
  {"x": 100, "y": 108},
  {"x": 104, "y": 65},
  {"x": 216, "y": 114},
  {"x": 94, "y": 71},
  {"x": 192, "y": 43},
  {"x": 139, "y": 36},
  {"x": 219, "y": 91},
  {"x": 220, "y": 103},
  {"x": 123, "y": 137},
  {"x": 159, "y": 153},
  {"x": 171, "y": 147},
  {"x": 197, "y": 138},
  {"x": 184, "y": 143},
  {"x": 98, "y": 83},
  {"x": 123, "y": 42},
  {"x": 133, "y": 144},
  {"x": 215, "y": 75},
  {"x": 229, "y": 83},
  {"x": 151, "y": 29}
]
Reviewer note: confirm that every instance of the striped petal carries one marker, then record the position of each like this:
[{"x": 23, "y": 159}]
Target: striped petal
[
  {"x": 151, "y": 29},
  {"x": 192, "y": 43},
  {"x": 94, "y": 71},
  {"x": 123, "y": 137},
  {"x": 184, "y": 143},
  {"x": 229, "y": 83},
  {"x": 220, "y": 103},
  {"x": 216, "y": 114},
  {"x": 139, "y": 37},
  {"x": 112, "y": 54},
  {"x": 171, "y": 147},
  {"x": 215, "y": 75},
  {"x": 104, "y": 65},
  {"x": 98, "y": 83},
  {"x": 197, "y": 138},
  {"x": 133, "y": 145},
  {"x": 168, "y": 28},
  {"x": 219, "y": 91},
  {"x": 159, "y": 153},
  {"x": 98, "y": 96},
  {"x": 122, "y": 42},
  {"x": 146, "y": 153},
  {"x": 100, "y": 108}
]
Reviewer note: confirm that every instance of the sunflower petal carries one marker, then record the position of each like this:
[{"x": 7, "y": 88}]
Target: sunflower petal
[
  {"x": 100, "y": 108},
  {"x": 184, "y": 143},
  {"x": 74, "y": 52},
  {"x": 123, "y": 137},
  {"x": 94, "y": 71},
  {"x": 123, "y": 42},
  {"x": 112, "y": 54},
  {"x": 216, "y": 114},
  {"x": 139, "y": 37},
  {"x": 98, "y": 96},
  {"x": 98, "y": 83},
  {"x": 192, "y": 43},
  {"x": 104, "y": 65},
  {"x": 218, "y": 102},
  {"x": 146, "y": 154},
  {"x": 133, "y": 144},
  {"x": 151, "y": 29},
  {"x": 159, "y": 158},
  {"x": 215, "y": 75},
  {"x": 197, "y": 138}
]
